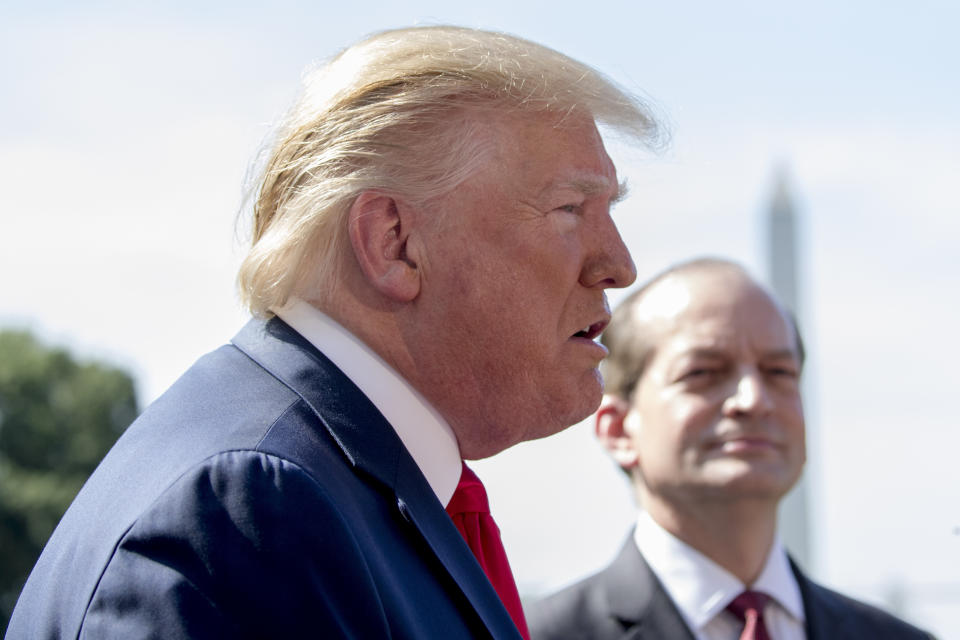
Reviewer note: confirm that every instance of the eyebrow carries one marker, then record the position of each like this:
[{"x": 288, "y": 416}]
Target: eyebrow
[
  {"x": 710, "y": 352},
  {"x": 702, "y": 352},
  {"x": 592, "y": 187},
  {"x": 622, "y": 191},
  {"x": 781, "y": 353}
]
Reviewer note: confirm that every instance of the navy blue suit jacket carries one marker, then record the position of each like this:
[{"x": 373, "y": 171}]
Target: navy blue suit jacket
[
  {"x": 262, "y": 496},
  {"x": 626, "y": 601}
]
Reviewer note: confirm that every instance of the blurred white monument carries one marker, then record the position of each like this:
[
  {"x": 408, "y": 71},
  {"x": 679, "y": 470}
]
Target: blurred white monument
[{"x": 782, "y": 264}]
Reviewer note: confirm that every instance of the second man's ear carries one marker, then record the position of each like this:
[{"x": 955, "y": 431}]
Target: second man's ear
[
  {"x": 379, "y": 227},
  {"x": 612, "y": 434}
]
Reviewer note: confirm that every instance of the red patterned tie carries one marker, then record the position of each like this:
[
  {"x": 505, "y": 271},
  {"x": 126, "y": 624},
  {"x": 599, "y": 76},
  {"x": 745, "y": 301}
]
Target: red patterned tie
[
  {"x": 470, "y": 512},
  {"x": 748, "y": 606}
]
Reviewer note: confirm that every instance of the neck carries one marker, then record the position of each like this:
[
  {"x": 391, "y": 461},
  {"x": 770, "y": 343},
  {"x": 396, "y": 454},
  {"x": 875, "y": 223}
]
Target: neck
[
  {"x": 370, "y": 317},
  {"x": 736, "y": 534}
]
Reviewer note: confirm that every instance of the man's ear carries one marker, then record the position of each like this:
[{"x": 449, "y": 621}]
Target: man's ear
[
  {"x": 609, "y": 426},
  {"x": 379, "y": 227}
]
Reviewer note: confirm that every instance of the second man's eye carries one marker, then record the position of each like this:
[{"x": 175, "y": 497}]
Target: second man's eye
[
  {"x": 782, "y": 372},
  {"x": 699, "y": 375}
]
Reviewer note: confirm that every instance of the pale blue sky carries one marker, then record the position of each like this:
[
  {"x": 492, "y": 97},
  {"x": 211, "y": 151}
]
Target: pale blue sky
[{"x": 126, "y": 130}]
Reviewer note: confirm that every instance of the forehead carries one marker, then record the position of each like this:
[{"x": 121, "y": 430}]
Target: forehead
[
  {"x": 542, "y": 153},
  {"x": 717, "y": 312}
]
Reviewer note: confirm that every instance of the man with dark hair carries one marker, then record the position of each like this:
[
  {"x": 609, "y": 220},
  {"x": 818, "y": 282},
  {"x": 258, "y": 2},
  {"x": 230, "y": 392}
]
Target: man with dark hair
[
  {"x": 432, "y": 243},
  {"x": 703, "y": 410}
]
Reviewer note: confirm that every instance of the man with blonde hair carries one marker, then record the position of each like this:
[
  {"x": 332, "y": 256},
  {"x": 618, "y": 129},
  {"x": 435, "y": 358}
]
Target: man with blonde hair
[
  {"x": 432, "y": 243},
  {"x": 703, "y": 411}
]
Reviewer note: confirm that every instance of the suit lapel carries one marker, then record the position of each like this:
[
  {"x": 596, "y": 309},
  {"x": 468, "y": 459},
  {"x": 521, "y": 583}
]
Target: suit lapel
[
  {"x": 424, "y": 510},
  {"x": 824, "y": 621},
  {"x": 372, "y": 446},
  {"x": 638, "y": 600}
]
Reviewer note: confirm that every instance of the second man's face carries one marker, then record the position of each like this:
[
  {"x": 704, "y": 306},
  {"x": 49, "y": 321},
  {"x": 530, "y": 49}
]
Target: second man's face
[{"x": 718, "y": 413}]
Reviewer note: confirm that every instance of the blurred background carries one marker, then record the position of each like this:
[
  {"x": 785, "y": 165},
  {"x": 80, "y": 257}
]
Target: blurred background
[{"x": 127, "y": 129}]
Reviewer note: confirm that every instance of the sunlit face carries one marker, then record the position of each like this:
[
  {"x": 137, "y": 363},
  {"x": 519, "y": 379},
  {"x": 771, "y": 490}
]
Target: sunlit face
[
  {"x": 717, "y": 413},
  {"x": 517, "y": 261}
]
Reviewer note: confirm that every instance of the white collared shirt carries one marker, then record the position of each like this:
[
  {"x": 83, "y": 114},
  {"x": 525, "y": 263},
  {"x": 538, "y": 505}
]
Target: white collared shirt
[
  {"x": 426, "y": 435},
  {"x": 702, "y": 589}
]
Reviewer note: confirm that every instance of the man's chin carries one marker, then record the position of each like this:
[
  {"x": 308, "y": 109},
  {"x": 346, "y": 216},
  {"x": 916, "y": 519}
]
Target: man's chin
[
  {"x": 588, "y": 395},
  {"x": 758, "y": 486},
  {"x": 586, "y": 404},
  {"x": 537, "y": 422}
]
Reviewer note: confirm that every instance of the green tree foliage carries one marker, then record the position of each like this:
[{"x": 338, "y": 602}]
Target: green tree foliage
[{"x": 58, "y": 417}]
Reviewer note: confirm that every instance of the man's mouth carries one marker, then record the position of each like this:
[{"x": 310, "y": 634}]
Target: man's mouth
[
  {"x": 745, "y": 444},
  {"x": 591, "y": 332}
]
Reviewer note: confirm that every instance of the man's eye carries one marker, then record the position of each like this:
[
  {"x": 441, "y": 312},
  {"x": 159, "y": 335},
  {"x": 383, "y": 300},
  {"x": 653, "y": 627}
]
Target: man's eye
[
  {"x": 699, "y": 373},
  {"x": 782, "y": 372},
  {"x": 570, "y": 208}
]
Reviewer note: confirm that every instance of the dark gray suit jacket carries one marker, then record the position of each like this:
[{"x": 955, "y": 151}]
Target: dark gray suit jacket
[
  {"x": 627, "y": 601},
  {"x": 262, "y": 496}
]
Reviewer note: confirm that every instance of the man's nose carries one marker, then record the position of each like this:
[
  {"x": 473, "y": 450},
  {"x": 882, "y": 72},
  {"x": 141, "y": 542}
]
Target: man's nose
[
  {"x": 749, "y": 396},
  {"x": 609, "y": 264}
]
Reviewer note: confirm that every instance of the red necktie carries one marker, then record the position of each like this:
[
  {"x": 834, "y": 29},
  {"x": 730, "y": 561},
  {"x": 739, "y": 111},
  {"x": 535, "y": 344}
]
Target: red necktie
[
  {"x": 748, "y": 606},
  {"x": 470, "y": 512}
]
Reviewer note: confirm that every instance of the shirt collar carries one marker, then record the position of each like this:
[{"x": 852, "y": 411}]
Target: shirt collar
[
  {"x": 778, "y": 580},
  {"x": 699, "y": 586},
  {"x": 425, "y": 434}
]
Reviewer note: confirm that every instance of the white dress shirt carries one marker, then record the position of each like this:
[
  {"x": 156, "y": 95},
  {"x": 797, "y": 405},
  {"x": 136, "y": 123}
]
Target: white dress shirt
[
  {"x": 426, "y": 435},
  {"x": 702, "y": 589}
]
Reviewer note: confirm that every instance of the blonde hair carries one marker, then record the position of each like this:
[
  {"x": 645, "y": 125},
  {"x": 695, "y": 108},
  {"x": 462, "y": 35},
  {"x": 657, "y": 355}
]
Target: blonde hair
[{"x": 401, "y": 112}]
